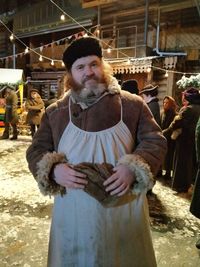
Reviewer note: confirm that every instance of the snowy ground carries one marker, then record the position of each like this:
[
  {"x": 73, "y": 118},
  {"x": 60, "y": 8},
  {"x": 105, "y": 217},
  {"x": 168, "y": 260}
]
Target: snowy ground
[{"x": 25, "y": 217}]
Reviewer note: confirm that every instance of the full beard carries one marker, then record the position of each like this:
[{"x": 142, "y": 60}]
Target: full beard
[{"x": 91, "y": 90}]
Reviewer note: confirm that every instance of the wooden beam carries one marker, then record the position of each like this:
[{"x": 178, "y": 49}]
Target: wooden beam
[
  {"x": 94, "y": 3},
  {"x": 163, "y": 8}
]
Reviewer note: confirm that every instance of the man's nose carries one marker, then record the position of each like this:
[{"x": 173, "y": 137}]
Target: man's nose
[{"x": 89, "y": 71}]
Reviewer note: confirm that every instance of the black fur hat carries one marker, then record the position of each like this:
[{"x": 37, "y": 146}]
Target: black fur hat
[
  {"x": 82, "y": 47},
  {"x": 130, "y": 86},
  {"x": 192, "y": 95},
  {"x": 150, "y": 90}
]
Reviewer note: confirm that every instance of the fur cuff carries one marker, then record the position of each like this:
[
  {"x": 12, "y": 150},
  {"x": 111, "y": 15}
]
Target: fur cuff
[
  {"x": 141, "y": 169},
  {"x": 46, "y": 183}
]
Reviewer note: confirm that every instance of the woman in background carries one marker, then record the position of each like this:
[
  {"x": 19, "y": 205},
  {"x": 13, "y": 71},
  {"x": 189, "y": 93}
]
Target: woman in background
[
  {"x": 185, "y": 164},
  {"x": 167, "y": 116}
]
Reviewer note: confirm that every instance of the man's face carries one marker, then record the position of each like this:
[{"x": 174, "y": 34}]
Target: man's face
[
  {"x": 33, "y": 94},
  {"x": 87, "y": 72}
]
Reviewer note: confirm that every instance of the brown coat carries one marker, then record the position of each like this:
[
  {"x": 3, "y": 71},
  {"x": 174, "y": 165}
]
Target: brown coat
[
  {"x": 35, "y": 108},
  {"x": 148, "y": 151},
  {"x": 11, "y": 115}
]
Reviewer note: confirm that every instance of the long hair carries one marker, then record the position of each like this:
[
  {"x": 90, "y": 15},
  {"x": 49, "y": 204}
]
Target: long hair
[
  {"x": 107, "y": 76},
  {"x": 171, "y": 103}
]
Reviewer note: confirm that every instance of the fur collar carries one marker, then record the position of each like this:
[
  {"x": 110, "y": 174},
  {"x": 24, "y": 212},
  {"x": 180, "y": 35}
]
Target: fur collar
[{"x": 113, "y": 88}]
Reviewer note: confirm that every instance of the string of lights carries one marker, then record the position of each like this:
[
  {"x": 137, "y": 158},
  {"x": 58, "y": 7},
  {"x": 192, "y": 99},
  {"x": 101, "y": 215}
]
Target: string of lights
[
  {"x": 84, "y": 34},
  {"x": 34, "y": 50}
]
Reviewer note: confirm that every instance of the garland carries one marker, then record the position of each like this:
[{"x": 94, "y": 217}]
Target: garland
[{"x": 192, "y": 81}]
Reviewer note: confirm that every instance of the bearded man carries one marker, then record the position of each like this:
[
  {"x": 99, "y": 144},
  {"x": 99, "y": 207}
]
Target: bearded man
[{"x": 97, "y": 150}]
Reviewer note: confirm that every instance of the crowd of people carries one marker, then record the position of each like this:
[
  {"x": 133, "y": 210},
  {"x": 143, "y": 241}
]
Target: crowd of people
[{"x": 100, "y": 170}]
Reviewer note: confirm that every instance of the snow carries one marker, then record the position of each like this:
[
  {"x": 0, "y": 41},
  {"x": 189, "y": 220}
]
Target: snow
[{"x": 25, "y": 216}]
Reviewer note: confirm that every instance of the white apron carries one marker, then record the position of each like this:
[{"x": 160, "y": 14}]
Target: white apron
[{"x": 83, "y": 232}]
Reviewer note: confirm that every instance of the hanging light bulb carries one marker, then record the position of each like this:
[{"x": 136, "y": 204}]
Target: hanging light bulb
[
  {"x": 26, "y": 50},
  {"x": 62, "y": 17},
  {"x": 40, "y": 58},
  {"x": 52, "y": 63},
  {"x": 11, "y": 37},
  {"x": 108, "y": 50},
  {"x": 63, "y": 64},
  {"x": 149, "y": 69},
  {"x": 166, "y": 74},
  {"x": 129, "y": 61},
  {"x": 85, "y": 35}
]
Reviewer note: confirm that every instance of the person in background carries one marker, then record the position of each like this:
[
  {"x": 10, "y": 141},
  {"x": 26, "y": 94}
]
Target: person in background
[
  {"x": 130, "y": 86},
  {"x": 52, "y": 98},
  {"x": 35, "y": 108},
  {"x": 184, "y": 101},
  {"x": 185, "y": 164},
  {"x": 97, "y": 126},
  {"x": 167, "y": 116},
  {"x": 11, "y": 115},
  {"x": 149, "y": 94},
  {"x": 195, "y": 203}
]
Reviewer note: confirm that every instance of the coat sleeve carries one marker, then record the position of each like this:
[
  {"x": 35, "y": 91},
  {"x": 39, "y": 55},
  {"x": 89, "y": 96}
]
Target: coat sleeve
[
  {"x": 149, "y": 151},
  {"x": 34, "y": 105},
  {"x": 42, "y": 158}
]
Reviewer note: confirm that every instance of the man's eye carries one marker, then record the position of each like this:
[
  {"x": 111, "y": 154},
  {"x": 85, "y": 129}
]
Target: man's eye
[
  {"x": 94, "y": 64},
  {"x": 80, "y": 67}
]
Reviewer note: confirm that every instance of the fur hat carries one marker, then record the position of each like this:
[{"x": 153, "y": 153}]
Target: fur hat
[
  {"x": 82, "y": 47},
  {"x": 192, "y": 95},
  {"x": 150, "y": 90},
  {"x": 130, "y": 86},
  {"x": 34, "y": 90}
]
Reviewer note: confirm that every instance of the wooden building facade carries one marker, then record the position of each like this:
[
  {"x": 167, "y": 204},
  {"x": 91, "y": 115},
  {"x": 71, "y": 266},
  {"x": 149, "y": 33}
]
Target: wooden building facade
[{"x": 141, "y": 39}]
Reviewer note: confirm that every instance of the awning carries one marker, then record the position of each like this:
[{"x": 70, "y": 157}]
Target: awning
[
  {"x": 140, "y": 65},
  {"x": 11, "y": 76},
  {"x": 134, "y": 65}
]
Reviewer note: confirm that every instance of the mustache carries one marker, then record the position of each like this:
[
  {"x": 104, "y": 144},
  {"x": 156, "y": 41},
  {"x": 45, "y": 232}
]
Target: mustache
[{"x": 91, "y": 77}]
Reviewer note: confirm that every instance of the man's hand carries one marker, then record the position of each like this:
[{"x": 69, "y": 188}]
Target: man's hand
[
  {"x": 120, "y": 182},
  {"x": 69, "y": 178}
]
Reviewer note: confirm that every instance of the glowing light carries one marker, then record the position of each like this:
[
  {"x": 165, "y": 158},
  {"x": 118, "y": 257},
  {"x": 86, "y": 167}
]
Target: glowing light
[
  {"x": 40, "y": 58},
  {"x": 63, "y": 64},
  {"x": 108, "y": 50},
  {"x": 26, "y": 50},
  {"x": 11, "y": 37},
  {"x": 52, "y": 63},
  {"x": 166, "y": 74},
  {"x": 62, "y": 17},
  {"x": 148, "y": 69}
]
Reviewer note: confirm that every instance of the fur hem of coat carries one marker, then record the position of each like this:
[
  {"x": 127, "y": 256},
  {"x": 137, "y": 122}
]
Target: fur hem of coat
[
  {"x": 143, "y": 174},
  {"x": 46, "y": 183}
]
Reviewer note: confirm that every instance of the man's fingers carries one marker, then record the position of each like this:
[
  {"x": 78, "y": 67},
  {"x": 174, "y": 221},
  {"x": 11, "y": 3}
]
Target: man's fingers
[
  {"x": 118, "y": 189},
  {"x": 77, "y": 174},
  {"x": 110, "y": 180},
  {"x": 124, "y": 191},
  {"x": 79, "y": 180}
]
